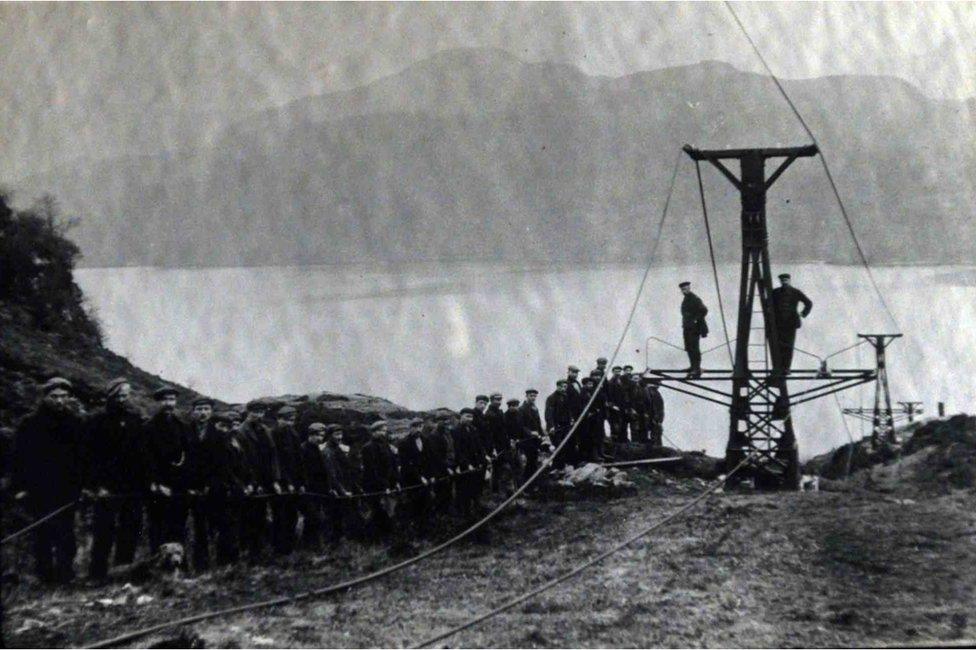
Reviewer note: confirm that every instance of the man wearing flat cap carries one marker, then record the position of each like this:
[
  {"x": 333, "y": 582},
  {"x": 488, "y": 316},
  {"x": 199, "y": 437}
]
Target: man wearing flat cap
[
  {"x": 601, "y": 367},
  {"x": 559, "y": 422},
  {"x": 693, "y": 327},
  {"x": 260, "y": 449},
  {"x": 471, "y": 457},
  {"x": 285, "y": 508},
  {"x": 47, "y": 475},
  {"x": 499, "y": 444},
  {"x": 532, "y": 433},
  {"x": 416, "y": 468},
  {"x": 380, "y": 474},
  {"x": 617, "y": 405},
  {"x": 786, "y": 300},
  {"x": 340, "y": 482},
  {"x": 168, "y": 446},
  {"x": 574, "y": 390},
  {"x": 311, "y": 506},
  {"x": 440, "y": 443},
  {"x": 118, "y": 465}
]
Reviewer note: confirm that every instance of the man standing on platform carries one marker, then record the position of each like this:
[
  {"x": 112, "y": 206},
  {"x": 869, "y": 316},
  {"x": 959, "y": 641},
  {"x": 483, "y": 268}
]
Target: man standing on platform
[
  {"x": 786, "y": 299},
  {"x": 693, "y": 327}
]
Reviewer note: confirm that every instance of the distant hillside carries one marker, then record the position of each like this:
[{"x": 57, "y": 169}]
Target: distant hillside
[{"x": 474, "y": 154}]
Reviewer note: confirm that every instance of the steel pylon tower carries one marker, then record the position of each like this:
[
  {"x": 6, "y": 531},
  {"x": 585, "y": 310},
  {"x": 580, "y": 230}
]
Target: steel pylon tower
[
  {"x": 760, "y": 423},
  {"x": 883, "y": 416}
]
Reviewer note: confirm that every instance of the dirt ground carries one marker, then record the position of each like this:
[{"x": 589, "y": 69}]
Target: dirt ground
[{"x": 742, "y": 569}]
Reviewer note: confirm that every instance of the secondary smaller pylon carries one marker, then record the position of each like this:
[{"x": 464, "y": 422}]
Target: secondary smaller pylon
[{"x": 883, "y": 416}]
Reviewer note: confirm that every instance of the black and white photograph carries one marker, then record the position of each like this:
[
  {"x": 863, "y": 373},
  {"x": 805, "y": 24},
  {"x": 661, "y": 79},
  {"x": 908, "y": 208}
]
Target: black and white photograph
[{"x": 488, "y": 324}]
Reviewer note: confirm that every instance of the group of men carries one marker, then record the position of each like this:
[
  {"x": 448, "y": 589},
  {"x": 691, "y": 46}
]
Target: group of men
[{"x": 242, "y": 481}]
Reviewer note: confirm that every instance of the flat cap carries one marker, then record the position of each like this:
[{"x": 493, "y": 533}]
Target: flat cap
[
  {"x": 481, "y": 398},
  {"x": 165, "y": 391},
  {"x": 588, "y": 380},
  {"x": 512, "y": 402},
  {"x": 417, "y": 422},
  {"x": 286, "y": 411},
  {"x": 202, "y": 401},
  {"x": 317, "y": 427},
  {"x": 496, "y": 394},
  {"x": 532, "y": 391},
  {"x": 573, "y": 369},
  {"x": 376, "y": 426},
  {"x": 616, "y": 368},
  {"x": 255, "y": 405},
  {"x": 115, "y": 385},
  {"x": 628, "y": 367},
  {"x": 561, "y": 382},
  {"x": 333, "y": 427},
  {"x": 784, "y": 276},
  {"x": 682, "y": 285},
  {"x": 56, "y": 382},
  {"x": 596, "y": 374},
  {"x": 601, "y": 361},
  {"x": 221, "y": 418},
  {"x": 467, "y": 411}
]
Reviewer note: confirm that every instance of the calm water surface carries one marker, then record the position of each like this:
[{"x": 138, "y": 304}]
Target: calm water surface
[{"x": 435, "y": 335}]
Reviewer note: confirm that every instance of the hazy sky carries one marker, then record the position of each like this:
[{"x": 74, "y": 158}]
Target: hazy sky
[{"x": 78, "y": 78}]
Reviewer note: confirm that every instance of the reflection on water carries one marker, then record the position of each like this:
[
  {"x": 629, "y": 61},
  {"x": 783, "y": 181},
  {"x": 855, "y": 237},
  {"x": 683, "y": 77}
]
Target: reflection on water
[{"x": 435, "y": 335}]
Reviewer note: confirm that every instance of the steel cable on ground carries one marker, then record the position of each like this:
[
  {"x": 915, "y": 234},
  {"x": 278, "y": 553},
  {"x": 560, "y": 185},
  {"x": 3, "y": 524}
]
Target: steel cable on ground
[
  {"x": 711, "y": 254},
  {"x": 592, "y": 561},
  {"x": 51, "y": 515},
  {"x": 347, "y": 584},
  {"x": 823, "y": 161}
]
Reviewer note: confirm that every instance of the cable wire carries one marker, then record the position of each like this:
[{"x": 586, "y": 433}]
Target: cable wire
[
  {"x": 347, "y": 584},
  {"x": 51, "y": 515},
  {"x": 711, "y": 254},
  {"x": 826, "y": 167},
  {"x": 586, "y": 565}
]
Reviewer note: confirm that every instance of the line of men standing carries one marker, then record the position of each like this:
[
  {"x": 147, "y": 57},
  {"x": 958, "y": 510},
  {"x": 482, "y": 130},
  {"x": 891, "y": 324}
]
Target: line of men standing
[
  {"x": 238, "y": 481},
  {"x": 632, "y": 407}
]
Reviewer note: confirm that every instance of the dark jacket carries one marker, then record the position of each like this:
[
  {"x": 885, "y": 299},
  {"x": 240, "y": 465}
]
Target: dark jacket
[
  {"x": 531, "y": 419},
  {"x": 574, "y": 393},
  {"x": 117, "y": 454},
  {"x": 415, "y": 459},
  {"x": 262, "y": 454},
  {"x": 168, "y": 450},
  {"x": 339, "y": 474},
  {"x": 495, "y": 422},
  {"x": 289, "y": 446},
  {"x": 657, "y": 404},
  {"x": 480, "y": 424},
  {"x": 313, "y": 462},
  {"x": 693, "y": 312},
  {"x": 468, "y": 447},
  {"x": 785, "y": 302},
  {"x": 514, "y": 431},
  {"x": 440, "y": 446},
  {"x": 47, "y": 457},
  {"x": 616, "y": 394},
  {"x": 559, "y": 412},
  {"x": 598, "y": 411},
  {"x": 217, "y": 465},
  {"x": 379, "y": 466},
  {"x": 638, "y": 399}
]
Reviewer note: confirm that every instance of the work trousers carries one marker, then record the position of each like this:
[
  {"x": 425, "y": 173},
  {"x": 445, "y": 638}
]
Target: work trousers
[
  {"x": 218, "y": 517},
  {"x": 118, "y": 523},
  {"x": 638, "y": 427},
  {"x": 284, "y": 510},
  {"x": 335, "y": 514},
  {"x": 312, "y": 522},
  {"x": 787, "y": 341},
  {"x": 54, "y": 544},
  {"x": 503, "y": 472},
  {"x": 380, "y": 522},
  {"x": 570, "y": 452},
  {"x": 167, "y": 520},
  {"x": 254, "y": 527},
  {"x": 656, "y": 434},
  {"x": 618, "y": 425},
  {"x": 693, "y": 347},
  {"x": 469, "y": 488}
]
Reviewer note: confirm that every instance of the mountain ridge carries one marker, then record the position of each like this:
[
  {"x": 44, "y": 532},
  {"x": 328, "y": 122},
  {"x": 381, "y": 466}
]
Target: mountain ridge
[{"x": 553, "y": 164}]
